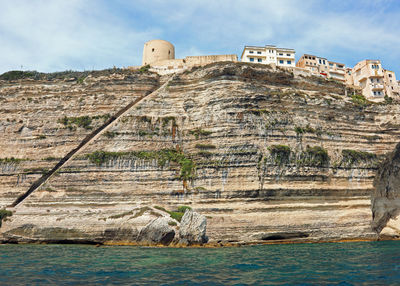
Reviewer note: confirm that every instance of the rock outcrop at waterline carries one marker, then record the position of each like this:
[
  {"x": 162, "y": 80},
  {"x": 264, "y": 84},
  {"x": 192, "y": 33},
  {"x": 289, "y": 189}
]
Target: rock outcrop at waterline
[
  {"x": 262, "y": 153},
  {"x": 386, "y": 198}
]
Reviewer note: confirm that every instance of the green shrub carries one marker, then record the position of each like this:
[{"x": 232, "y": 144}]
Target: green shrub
[
  {"x": 110, "y": 134},
  {"x": 11, "y": 160},
  {"x": 3, "y": 214},
  {"x": 314, "y": 156},
  {"x": 198, "y": 132},
  {"x": 81, "y": 121},
  {"x": 80, "y": 79},
  {"x": 41, "y": 136},
  {"x": 167, "y": 119},
  {"x": 14, "y": 75},
  {"x": 204, "y": 154},
  {"x": 280, "y": 153},
  {"x": 205, "y": 146},
  {"x": 187, "y": 166},
  {"x": 172, "y": 223},
  {"x": 388, "y": 99},
  {"x": 144, "y": 69},
  {"x": 176, "y": 215},
  {"x": 182, "y": 209},
  {"x": 353, "y": 156},
  {"x": 302, "y": 130},
  {"x": 359, "y": 100}
]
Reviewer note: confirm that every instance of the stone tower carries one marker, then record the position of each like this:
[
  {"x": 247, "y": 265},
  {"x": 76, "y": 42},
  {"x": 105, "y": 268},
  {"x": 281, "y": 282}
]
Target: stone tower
[{"x": 157, "y": 50}]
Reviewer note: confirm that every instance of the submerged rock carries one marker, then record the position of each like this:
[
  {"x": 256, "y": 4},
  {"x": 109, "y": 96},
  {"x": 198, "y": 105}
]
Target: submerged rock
[
  {"x": 193, "y": 228},
  {"x": 157, "y": 232}
]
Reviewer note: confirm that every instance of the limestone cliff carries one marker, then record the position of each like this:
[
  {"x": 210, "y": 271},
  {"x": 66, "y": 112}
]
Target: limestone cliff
[
  {"x": 262, "y": 153},
  {"x": 386, "y": 198}
]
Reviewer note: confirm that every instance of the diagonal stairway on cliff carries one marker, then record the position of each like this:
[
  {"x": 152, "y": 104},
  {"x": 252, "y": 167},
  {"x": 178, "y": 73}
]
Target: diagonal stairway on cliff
[{"x": 86, "y": 141}]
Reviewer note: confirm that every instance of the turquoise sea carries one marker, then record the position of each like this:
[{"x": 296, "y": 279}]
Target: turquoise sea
[{"x": 356, "y": 263}]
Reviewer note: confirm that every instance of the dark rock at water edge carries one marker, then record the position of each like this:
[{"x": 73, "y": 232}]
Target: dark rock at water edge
[
  {"x": 157, "y": 232},
  {"x": 386, "y": 197}
]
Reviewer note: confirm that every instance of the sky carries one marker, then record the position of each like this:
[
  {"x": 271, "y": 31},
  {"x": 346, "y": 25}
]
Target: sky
[{"x": 57, "y": 35}]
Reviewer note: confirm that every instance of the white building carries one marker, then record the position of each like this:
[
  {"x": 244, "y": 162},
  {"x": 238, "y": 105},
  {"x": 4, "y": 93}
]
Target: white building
[{"x": 269, "y": 55}]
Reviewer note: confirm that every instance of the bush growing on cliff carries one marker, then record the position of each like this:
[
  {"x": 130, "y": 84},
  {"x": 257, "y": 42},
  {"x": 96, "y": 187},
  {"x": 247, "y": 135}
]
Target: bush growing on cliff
[
  {"x": 351, "y": 157},
  {"x": 302, "y": 130},
  {"x": 187, "y": 165},
  {"x": 198, "y": 132},
  {"x": 359, "y": 100},
  {"x": 81, "y": 121},
  {"x": 3, "y": 214},
  {"x": 280, "y": 153},
  {"x": 11, "y": 160},
  {"x": 388, "y": 99},
  {"x": 205, "y": 146},
  {"x": 176, "y": 215},
  {"x": 14, "y": 75},
  {"x": 144, "y": 69},
  {"x": 315, "y": 156}
]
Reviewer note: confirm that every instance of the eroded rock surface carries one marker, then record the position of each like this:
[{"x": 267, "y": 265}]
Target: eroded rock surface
[
  {"x": 157, "y": 232},
  {"x": 257, "y": 150},
  {"x": 193, "y": 228},
  {"x": 386, "y": 198}
]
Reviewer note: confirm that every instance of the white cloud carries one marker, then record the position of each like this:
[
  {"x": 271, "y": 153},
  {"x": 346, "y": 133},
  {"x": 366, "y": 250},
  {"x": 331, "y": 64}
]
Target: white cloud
[
  {"x": 54, "y": 35},
  {"x": 59, "y": 35}
]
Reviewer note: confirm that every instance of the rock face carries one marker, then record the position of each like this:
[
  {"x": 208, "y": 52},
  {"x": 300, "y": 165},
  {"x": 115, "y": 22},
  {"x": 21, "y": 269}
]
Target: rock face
[
  {"x": 386, "y": 198},
  {"x": 157, "y": 232},
  {"x": 261, "y": 152},
  {"x": 192, "y": 229}
]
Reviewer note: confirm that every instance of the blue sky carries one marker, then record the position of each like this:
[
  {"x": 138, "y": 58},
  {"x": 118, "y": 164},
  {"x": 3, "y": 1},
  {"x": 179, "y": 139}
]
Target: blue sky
[{"x": 55, "y": 35}]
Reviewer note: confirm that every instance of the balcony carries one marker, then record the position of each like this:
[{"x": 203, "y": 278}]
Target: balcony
[
  {"x": 377, "y": 86},
  {"x": 284, "y": 56},
  {"x": 337, "y": 71}
]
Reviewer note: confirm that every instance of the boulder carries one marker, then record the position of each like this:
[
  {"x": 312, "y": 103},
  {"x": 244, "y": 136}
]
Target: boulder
[
  {"x": 192, "y": 229},
  {"x": 157, "y": 232}
]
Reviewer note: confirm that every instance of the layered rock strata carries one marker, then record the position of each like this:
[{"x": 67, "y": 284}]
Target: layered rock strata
[{"x": 263, "y": 154}]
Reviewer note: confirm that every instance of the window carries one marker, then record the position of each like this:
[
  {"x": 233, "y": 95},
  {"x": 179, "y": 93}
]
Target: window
[
  {"x": 320, "y": 61},
  {"x": 259, "y": 52},
  {"x": 169, "y": 52},
  {"x": 289, "y": 62},
  {"x": 252, "y": 59},
  {"x": 330, "y": 64},
  {"x": 250, "y": 52},
  {"x": 306, "y": 63},
  {"x": 280, "y": 54},
  {"x": 324, "y": 61},
  {"x": 372, "y": 79},
  {"x": 259, "y": 60},
  {"x": 152, "y": 49},
  {"x": 281, "y": 61},
  {"x": 288, "y": 55},
  {"x": 390, "y": 75},
  {"x": 374, "y": 92},
  {"x": 377, "y": 80},
  {"x": 340, "y": 66}
]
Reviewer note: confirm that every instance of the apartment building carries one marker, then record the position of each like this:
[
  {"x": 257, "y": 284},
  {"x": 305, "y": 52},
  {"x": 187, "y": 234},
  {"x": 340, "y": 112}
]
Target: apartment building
[
  {"x": 269, "y": 54},
  {"x": 392, "y": 87},
  {"x": 322, "y": 66},
  {"x": 370, "y": 76}
]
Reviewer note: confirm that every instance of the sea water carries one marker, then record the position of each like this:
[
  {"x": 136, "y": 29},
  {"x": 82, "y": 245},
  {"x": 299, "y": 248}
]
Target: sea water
[{"x": 355, "y": 263}]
